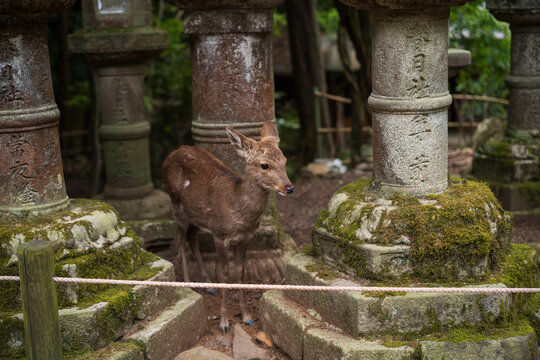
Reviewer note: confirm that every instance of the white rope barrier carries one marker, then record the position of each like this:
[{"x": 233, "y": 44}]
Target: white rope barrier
[{"x": 468, "y": 290}]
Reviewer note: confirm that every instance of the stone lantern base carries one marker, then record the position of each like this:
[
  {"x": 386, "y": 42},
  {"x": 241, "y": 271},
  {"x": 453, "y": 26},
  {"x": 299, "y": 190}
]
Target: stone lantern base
[
  {"x": 91, "y": 241},
  {"x": 460, "y": 237},
  {"x": 512, "y": 168}
]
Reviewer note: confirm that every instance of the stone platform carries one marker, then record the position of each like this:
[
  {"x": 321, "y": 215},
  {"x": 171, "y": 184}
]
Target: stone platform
[
  {"x": 365, "y": 237},
  {"x": 91, "y": 241},
  {"x": 353, "y": 325}
]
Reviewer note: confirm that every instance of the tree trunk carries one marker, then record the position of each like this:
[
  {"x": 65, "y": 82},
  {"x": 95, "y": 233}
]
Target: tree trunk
[
  {"x": 308, "y": 73},
  {"x": 354, "y": 26}
]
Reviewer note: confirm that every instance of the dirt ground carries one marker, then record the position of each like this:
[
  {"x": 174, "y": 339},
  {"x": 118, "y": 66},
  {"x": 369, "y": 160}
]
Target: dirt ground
[{"x": 298, "y": 214}]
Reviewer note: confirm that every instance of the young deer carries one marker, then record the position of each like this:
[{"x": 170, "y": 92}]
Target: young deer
[{"x": 207, "y": 195}]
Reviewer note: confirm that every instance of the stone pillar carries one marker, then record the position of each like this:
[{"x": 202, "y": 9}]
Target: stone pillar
[
  {"x": 512, "y": 165},
  {"x": 31, "y": 173},
  {"x": 233, "y": 82},
  {"x": 410, "y": 98},
  {"x": 119, "y": 41}
]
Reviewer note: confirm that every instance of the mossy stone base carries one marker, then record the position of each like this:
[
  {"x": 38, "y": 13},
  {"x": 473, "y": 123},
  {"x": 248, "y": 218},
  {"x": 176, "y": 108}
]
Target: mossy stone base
[
  {"x": 97, "y": 325},
  {"x": 515, "y": 197},
  {"x": 458, "y": 234},
  {"x": 508, "y": 160},
  {"x": 361, "y": 314},
  {"x": 90, "y": 241}
]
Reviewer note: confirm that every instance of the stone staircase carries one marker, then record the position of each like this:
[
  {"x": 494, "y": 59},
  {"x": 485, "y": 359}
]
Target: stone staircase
[{"x": 353, "y": 325}]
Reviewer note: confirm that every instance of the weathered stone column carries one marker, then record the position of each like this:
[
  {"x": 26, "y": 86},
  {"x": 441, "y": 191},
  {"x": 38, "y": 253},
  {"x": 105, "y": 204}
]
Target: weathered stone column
[
  {"x": 233, "y": 81},
  {"x": 31, "y": 174},
  {"x": 233, "y": 85},
  {"x": 410, "y": 98},
  {"x": 512, "y": 165},
  {"x": 119, "y": 40}
]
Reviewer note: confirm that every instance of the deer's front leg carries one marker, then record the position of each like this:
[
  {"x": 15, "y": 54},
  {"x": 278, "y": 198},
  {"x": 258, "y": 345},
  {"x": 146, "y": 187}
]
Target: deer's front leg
[
  {"x": 240, "y": 271},
  {"x": 223, "y": 274}
]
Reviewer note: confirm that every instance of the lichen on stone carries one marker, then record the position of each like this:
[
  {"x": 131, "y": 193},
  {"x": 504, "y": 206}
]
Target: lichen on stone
[{"x": 457, "y": 234}]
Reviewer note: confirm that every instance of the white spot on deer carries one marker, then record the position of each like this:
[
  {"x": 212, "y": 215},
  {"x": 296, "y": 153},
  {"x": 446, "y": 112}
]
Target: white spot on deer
[{"x": 186, "y": 183}]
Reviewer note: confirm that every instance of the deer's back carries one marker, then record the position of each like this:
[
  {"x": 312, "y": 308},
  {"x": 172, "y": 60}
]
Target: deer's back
[{"x": 199, "y": 182}]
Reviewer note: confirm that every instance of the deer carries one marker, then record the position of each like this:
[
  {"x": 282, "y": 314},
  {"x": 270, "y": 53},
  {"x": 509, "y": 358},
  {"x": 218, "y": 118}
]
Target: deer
[{"x": 207, "y": 195}]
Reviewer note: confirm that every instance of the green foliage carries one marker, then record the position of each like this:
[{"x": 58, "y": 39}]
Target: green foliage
[
  {"x": 327, "y": 16},
  {"x": 79, "y": 95},
  {"x": 472, "y": 27}
]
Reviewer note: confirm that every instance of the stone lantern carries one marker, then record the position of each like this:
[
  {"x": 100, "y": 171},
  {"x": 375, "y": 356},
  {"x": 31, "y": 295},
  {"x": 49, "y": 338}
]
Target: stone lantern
[
  {"x": 88, "y": 238},
  {"x": 31, "y": 173},
  {"x": 511, "y": 164},
  {"x": 411, "y": 225},
  {"x": 233, "y": 85},
  {"x": 118, "y": 39}
]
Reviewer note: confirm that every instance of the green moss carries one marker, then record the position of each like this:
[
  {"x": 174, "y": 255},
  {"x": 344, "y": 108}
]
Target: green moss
[
  {"x": 452, "y": 234},
  {"x": 8, "y": 327},
  {"x": 104, "y": 353},
  {"x": 122, "y": 308},
  {"x": 482, "y": 333},
  {"x": 322, "y": 271},
  {"x": 308, "y": 250}
]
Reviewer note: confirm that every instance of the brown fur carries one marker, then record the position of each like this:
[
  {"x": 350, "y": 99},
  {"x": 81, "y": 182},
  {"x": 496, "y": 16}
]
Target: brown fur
[{"x": 207, "y": 195}]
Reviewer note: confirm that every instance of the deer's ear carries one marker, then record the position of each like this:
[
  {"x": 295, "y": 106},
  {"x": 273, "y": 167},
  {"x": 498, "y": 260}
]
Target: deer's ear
[
  {"x": 241, "y": 143},
  {"x": 269, "y": 132}
]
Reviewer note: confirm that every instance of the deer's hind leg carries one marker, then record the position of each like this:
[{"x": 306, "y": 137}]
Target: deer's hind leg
[
  {"x": 182, "y": 223},
  {"x": 194, "y": 245}
]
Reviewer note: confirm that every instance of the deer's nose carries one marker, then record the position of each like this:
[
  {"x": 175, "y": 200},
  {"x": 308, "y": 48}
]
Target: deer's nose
[{"x": 289, "y": 189}]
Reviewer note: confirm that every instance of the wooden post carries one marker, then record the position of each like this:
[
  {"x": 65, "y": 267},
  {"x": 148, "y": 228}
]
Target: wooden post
[{"x": 40, "y": 305}]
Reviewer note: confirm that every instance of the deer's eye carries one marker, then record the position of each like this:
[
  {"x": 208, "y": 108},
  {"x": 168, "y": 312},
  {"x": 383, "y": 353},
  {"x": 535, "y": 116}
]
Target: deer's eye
[{"x": 264, "y": 166}]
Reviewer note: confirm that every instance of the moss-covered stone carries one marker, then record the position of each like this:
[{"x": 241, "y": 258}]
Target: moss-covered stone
[
  {"x": 458, "y": 234},
  {"x": 90, "y": 241}
]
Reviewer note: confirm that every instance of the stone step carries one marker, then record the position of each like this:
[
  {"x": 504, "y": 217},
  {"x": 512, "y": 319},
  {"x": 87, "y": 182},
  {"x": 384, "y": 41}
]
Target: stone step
[
  {"x": 303, "y": 336},
  {"x": 89, "y": 327},
  {"x": 175, "y": 329},
  {"x": 360, "y": 314}
]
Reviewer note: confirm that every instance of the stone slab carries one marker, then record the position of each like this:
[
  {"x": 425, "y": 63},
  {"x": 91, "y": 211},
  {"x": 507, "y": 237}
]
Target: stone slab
[
  {"x": 80, "y": 327},
  {"x": 154, "y": 230},
  {"x": 320, "y": 344},
  {"x": 285, "y": 322},
  {"x": 156, "y": 298},
  {"x": 513, "y": 348},
  {"x": 358, "y": 314},
  {"x": 296, "y": 331},
  {"x": 176, "y": 328},
  {"x": 202, "y": 353},
  {"x": 116, "y": 351},
  {"x": 244, "y": 348}
]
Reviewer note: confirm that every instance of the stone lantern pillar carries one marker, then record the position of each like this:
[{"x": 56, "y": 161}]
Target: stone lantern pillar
[
  {"x": 512, "y": 164},
  {"x": 119, "y": 41},
  {"x": 409, "y": 226},
  {"x": 233, "y": 82},
  {"x": 31, "y": 174},
  {"x": 233, "y": 85}
]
